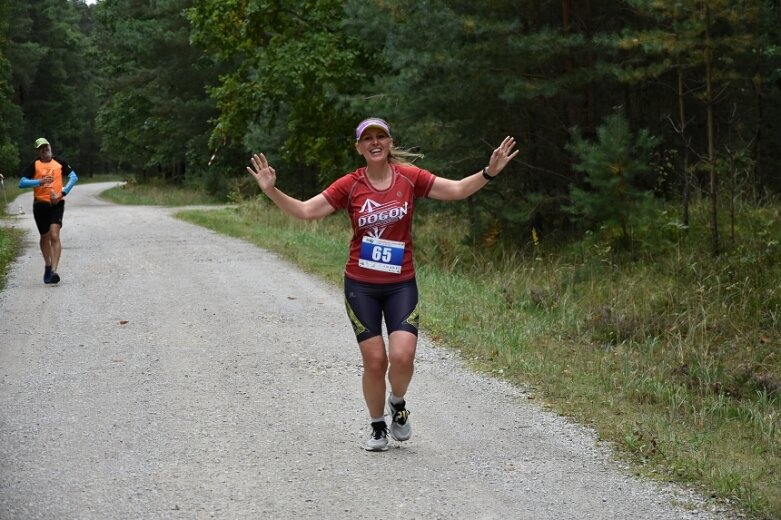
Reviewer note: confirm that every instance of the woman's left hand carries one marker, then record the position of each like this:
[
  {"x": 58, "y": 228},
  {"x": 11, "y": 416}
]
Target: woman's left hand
[{"x": 501, "y": 156}]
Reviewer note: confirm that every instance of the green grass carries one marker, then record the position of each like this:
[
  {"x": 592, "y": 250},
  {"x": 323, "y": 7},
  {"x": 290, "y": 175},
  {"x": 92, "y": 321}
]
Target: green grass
[
  {"x": 317, "y": 246},
  {"x": 102, "y": 177},
  {"x": 10, "y": 247},
  {"x": 670, "y": 354},
  {"x": 158, "y": 194},
  {"x": 10, "y": 192},
  {"x": 10, "y": 238}
]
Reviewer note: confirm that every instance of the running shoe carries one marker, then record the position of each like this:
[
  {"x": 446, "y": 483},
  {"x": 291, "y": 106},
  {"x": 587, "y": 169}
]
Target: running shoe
[
  {"x": 55, "y": 278},
  {"x": 400, "y": 428},
  {"x": 47, "y": 275},
  {"x": 378, "y": 441}
]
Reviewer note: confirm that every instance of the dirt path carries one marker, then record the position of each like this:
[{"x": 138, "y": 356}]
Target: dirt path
[{"x": 177, "y": 373}]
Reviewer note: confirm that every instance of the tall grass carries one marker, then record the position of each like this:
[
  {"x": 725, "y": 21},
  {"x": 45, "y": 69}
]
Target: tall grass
[{"x": 669, "y": 353}]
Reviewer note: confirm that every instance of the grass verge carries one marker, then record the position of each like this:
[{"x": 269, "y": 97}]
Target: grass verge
[
  {"x": 10, "y": 247},
  {"x": 10, "y": 238},
  {"x": 157, "y": 194},
  {"x": 671, "y": 357},
  {"x": 10, "y": 192}
]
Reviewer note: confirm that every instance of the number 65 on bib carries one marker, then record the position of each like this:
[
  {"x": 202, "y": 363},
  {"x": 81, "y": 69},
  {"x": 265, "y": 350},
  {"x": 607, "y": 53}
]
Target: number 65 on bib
[{"x": 381, "y": 255}]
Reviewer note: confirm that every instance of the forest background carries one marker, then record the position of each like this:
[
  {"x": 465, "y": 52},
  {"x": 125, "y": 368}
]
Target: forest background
[{"x": 649, "y": 160}]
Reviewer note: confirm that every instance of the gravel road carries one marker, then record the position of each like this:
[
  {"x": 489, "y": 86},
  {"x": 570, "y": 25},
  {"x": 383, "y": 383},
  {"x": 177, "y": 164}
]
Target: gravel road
[{"x": 176, "y": 373}]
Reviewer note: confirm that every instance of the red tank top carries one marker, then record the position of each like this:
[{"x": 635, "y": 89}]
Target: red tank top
[{"x": 381, "y": 245}]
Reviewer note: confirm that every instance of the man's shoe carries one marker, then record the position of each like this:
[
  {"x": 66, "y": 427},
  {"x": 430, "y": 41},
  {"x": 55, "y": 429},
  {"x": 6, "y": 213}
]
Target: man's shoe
[
  {"x": 400, "y": 428},
  {"x": 378, "y": 441},
  {"x": 55, "y": 278},
  {"x": 47, "y": 274}
]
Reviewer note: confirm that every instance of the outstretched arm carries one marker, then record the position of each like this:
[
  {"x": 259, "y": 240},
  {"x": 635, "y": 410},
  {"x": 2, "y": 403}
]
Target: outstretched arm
[
  {"x": 315, "y": 208},
  {"x": 447, "y": 189}
]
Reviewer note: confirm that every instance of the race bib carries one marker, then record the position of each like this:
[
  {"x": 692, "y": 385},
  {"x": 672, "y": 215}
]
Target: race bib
[{"x": 381, "y": 255}]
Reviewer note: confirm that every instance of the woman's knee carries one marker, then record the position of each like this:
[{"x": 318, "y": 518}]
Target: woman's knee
[
  {"x": 375, "y": 360},
  {"x": 402, "y": 348},
  {"x": 375, "y": 366},
  {"x": 402, "y": 357}
]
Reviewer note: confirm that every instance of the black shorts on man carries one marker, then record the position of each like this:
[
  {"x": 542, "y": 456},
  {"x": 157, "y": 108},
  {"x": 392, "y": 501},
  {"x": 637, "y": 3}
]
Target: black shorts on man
[{"x": 45, "y": 215}]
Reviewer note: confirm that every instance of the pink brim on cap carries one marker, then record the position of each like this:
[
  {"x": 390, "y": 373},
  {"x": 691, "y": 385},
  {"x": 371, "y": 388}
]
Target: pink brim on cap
[{"x": 372, "y": 122}]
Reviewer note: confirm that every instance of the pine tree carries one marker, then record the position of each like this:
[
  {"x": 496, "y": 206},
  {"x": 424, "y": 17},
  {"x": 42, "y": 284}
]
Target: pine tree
[
  {"x": 51, "y": 80},
  {"x": 611, "y": 166},
  {"x": 156, "y": 112},
  {"x": 10, "y": 114},
  {"x": 704, "y": 49}
]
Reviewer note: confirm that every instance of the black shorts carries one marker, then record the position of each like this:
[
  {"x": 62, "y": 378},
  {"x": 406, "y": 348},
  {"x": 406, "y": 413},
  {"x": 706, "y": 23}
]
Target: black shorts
[
  {"x": 45, "y": 215},
  {"x": 367, "y": 303}
]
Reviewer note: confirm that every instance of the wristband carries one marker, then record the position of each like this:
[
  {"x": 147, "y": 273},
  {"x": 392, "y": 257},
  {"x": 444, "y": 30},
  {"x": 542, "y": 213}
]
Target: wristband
[{"x": 486, "y": 176}]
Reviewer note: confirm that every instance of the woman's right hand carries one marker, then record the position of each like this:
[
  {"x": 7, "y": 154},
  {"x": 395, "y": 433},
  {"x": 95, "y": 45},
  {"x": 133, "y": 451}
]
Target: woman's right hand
[{"x": 264, "y": 174}]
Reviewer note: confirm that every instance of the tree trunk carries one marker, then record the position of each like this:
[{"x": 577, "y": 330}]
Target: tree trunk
[
  {"x": 591, "y": 120},
  {"x": 732, "y": 196},
  {"x": 758, "y": 181},
  {"x": 714, "y": 215},
  {"x": 572, "y": 111},
  {"x": 682, "y": 130}
]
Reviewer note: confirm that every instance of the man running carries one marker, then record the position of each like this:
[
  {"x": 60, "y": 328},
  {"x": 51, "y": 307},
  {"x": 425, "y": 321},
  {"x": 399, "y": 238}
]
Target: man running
[{"x": 45, "y": 175}]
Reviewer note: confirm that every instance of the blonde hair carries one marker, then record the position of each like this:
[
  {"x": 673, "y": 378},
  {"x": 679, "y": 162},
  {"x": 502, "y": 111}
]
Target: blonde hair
[{"x": 403, "y": 156}]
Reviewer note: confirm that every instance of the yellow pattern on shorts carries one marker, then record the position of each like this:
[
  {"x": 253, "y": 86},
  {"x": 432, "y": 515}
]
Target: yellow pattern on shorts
[
  {"x": 358, "y": 327},
  {"x": 414, "y": 318}
]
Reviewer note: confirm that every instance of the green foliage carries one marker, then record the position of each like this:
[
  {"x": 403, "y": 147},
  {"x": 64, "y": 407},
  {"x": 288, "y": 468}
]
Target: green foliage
[
  {"x": 452, "y": 100},
  {"x": 185, "y": 90},
  {"x": 10, "y": 115},
  {"x": 612, "y": 166},
  {"x": 290, "y": 74},
  {"x": 52, "y": 78},
  {"x": 674, "y": 44},
  {"x": 156, "y": 112}
]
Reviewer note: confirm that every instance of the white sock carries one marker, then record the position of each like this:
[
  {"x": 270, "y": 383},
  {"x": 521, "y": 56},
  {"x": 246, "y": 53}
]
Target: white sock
[
  {"x": 395, "y": 399},
  {"x": 378, "y": 419}
]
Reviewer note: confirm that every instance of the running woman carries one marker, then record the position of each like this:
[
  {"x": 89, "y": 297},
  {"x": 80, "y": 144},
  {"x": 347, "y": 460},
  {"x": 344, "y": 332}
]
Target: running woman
[
  {"x": 379, "y": 279},
  {"x": 45, "y": 175}
]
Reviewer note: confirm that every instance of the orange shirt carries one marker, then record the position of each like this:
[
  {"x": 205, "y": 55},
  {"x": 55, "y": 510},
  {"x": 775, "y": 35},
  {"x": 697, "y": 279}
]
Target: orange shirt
[{"x": 53, "y": 168}]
